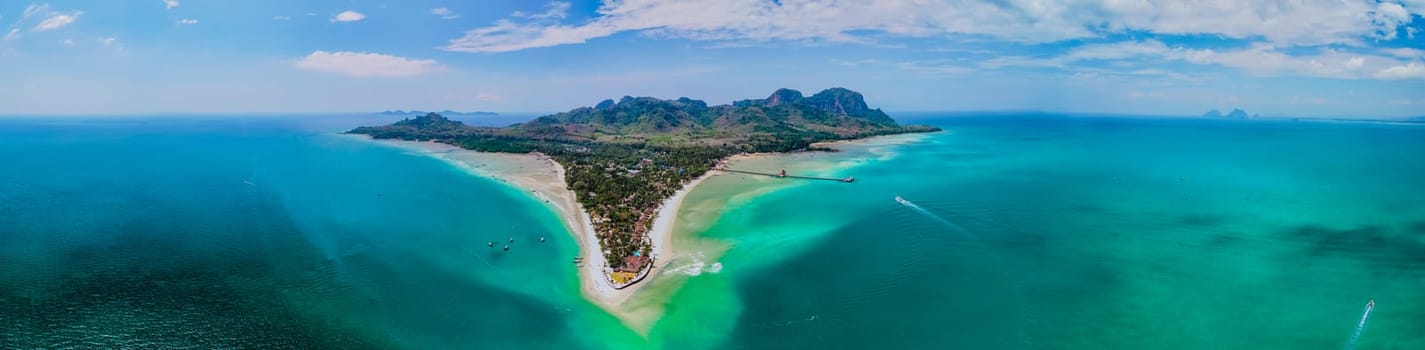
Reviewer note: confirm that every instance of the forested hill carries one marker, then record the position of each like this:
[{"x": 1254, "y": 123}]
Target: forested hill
[{"x": 785, "y": 118}]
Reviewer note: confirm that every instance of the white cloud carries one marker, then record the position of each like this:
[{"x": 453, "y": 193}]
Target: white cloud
[
  {"x": 281, "y": 18},
  {"x": 1405, "y": 52},
  {"x": 188, "y": 21},
  {"x": 1412, "y": 70},
  {"x": 1260, "y": 59},
  {"x": 1265, "y": 60},
  {"x": 1090, "y": 52},
  {"x": 108, "y": 41},
  {"x": 553, "y": 10},
  {"x": 67, "y": 42},
  {"x": 1390, "y": 16},
  {"x": 13, "y": 34},
  {"x": 1282, "y": 22},
  {"x": 57, "y": 20},
  {"x": 361, "y": 64},
  {"x": 348, "y": 16},
  {"x": 52, "y": 19},
  {"x": 34, "y": 9},
  {"x": 444, "y": 13},
  {"x": 1119, "y": 50},
  {"x": 168, "y": 4}
]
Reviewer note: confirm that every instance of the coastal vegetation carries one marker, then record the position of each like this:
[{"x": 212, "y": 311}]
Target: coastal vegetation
[
  {"x": 623, "y": 158},
  {"x": 446, "y": 113}
]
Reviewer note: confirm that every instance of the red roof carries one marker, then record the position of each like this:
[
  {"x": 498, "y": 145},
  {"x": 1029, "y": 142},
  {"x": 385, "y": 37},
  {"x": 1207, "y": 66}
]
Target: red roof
[{"x": 633, "y": 263}]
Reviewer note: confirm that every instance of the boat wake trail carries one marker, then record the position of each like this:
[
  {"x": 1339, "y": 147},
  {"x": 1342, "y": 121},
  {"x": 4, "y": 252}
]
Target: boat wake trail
[
  {"x": 1351, "y": 344},
  {"x": 933, "y": 216}
]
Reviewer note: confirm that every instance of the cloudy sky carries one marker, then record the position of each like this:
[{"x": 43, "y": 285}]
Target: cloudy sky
[{"x": 1181, "y": 57}]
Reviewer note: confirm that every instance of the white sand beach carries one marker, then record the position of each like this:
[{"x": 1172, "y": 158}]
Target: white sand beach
[{"x": 544, "y": 179}]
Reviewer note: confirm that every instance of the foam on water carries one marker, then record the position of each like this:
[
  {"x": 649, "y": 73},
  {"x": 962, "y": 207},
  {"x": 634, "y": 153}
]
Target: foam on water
[
  {"x": 1361, "y": 326},
  {"x": 695, "y": 266}
]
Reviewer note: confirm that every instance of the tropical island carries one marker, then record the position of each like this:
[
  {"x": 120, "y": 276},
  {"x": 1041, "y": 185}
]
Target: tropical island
[
  {"x": 622, "y": 159},
  {"x": 447, "y": 113},
  {"x": 1236, "y": 113}
]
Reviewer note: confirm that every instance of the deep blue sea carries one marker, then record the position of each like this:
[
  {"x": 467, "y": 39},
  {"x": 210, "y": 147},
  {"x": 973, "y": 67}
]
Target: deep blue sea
[{"x": 1023, "y": 232}]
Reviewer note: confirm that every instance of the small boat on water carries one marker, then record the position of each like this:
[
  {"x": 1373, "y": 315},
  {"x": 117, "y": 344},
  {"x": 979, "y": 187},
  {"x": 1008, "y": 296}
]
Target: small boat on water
[
  {"x": 541, "y": 240},
  {"x": 902, "y": 200},
  {"x": 507, "y": 247},
  {"x": 1370, "y": 305},
  {"x": 491, "y": 244}
]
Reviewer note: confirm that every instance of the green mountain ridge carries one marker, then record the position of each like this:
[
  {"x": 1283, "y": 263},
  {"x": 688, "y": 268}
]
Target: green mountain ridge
[
  {"x": 835, "y": 113},
  {"x": 444, "y": 113}
]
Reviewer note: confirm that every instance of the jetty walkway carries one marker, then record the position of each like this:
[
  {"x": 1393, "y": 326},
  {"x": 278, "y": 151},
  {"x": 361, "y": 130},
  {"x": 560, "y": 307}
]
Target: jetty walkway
[{"x": 783, "y": 174}]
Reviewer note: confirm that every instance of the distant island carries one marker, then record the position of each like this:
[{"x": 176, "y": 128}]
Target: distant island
[
  {"x": 623, "y": 158},
  {"x": 1234, "y": 114},
  {"x": 444, "y": 113},
  {"x": 1240, "y": 114}
]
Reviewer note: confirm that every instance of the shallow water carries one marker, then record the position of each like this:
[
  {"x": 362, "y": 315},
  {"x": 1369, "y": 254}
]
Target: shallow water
[
  {"x": 1031, "y": 232},
  {"x": 1078, "y": 233},
  {"x": 262, "y": 233}
]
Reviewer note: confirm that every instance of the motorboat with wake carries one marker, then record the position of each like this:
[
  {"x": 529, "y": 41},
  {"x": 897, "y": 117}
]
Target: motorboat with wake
[{"x": 903, "y": 201}]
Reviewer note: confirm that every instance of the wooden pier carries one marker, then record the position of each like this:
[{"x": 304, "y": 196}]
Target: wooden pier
[{"x": 783, "y": 174}]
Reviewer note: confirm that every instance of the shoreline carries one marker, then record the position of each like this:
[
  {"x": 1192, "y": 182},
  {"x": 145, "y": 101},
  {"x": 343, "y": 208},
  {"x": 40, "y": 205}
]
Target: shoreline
[
  {"x": 543, "y": 178},
  {"x": 661, "y": 235},
  {"x": 894, "y": 139}
]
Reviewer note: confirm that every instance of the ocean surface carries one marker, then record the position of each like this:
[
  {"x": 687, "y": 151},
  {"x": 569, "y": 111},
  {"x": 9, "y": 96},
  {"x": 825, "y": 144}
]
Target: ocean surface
[{"x": 1017, "y": 232}]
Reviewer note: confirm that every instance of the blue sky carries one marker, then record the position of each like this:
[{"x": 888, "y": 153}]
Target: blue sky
[{"x": 1288, "y": 57}]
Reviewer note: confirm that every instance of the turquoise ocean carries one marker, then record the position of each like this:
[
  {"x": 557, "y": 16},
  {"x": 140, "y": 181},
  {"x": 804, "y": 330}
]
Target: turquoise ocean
[{"x": 1016, "y": 232}]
